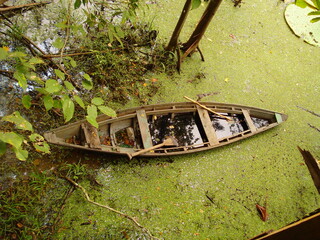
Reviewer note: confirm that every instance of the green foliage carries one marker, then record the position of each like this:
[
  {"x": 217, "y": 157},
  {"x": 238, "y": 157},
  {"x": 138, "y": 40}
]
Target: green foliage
[{"x": 315, "y": 5}]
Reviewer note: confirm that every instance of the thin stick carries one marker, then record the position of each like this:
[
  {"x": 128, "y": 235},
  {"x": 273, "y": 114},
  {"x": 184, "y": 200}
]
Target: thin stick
[
  {"x": 309, "y": 111},
  {"x": 109, "y": 208},
  {"x": 203, "y": 106}
]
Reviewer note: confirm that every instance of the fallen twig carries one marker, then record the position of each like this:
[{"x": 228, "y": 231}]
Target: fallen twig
[
  {"x": 314, "y": 127},
  {"x": 309, "y": 111},
  {"x": 109, "y": 208}
]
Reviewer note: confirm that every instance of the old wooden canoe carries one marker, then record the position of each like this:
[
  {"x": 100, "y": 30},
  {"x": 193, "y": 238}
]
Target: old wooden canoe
[{"x": 193, "y": 127}]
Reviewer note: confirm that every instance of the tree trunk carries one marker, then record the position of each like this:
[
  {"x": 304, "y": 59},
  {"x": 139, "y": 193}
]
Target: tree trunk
[
  {"x": 193, "y": 42},
  {"x": 175, "y": 35}
]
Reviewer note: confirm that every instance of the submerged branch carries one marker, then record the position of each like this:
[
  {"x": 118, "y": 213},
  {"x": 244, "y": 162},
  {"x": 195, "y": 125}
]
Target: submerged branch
[
  {"x": 309, "y": 111},
  {"x": 109, "y": 208}
]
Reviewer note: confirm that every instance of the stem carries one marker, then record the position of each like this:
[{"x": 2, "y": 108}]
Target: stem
[{"x": 109, "y": 208}]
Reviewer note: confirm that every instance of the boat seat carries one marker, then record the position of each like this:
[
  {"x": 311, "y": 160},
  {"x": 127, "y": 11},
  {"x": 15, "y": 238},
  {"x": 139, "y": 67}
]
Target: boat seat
[
  {"x": 117, "y": 126},
  {"x": 144, "y": 128},
  {"x": 207, "y": 125},
  {"x": 90, "y": 135},
  {"x": 249, "y": 121}
]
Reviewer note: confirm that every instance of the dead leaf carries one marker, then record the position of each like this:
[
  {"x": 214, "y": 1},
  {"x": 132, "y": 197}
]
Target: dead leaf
[{"x": 262, "y": 212}]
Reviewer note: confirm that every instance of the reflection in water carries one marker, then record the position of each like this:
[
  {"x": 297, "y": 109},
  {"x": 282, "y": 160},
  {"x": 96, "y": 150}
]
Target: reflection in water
[
  {"x": 258, "y": 122},
  {"x": 226, "y": 128},
  {"x": 184, "y": 127}
]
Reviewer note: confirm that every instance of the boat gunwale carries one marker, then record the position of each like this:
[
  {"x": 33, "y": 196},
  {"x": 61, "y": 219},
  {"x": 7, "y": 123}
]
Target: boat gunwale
[{"x": 167, "y": 108}]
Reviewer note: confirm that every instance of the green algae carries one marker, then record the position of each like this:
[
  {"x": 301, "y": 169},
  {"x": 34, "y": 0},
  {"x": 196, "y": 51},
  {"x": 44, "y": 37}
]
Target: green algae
[{"x": 251, "y": 58}]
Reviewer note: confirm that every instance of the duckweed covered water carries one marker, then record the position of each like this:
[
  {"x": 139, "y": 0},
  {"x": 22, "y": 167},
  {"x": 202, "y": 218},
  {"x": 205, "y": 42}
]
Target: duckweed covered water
[{"x": 251, "y": 58}]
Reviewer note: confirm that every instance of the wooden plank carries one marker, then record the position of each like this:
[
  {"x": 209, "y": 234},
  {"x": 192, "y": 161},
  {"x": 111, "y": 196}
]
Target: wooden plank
[
  {"x": 305, "y": 229},
  {"x": 144, "y": 128},
  {"x": 249, "y": 120},
  {"x": 207, "y": 125},
  {"x": 91, "y": 135}
]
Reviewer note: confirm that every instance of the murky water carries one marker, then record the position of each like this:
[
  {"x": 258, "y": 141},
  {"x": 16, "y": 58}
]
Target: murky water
[{"x": 251, "y": 58}]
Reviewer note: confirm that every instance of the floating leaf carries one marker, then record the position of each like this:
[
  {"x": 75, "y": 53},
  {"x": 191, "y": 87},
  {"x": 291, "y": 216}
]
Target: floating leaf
[
  {"x": 107, "y": 111},
  {"x": 301, "y": 3},
  {"x": 52, "y": 86},
  {"x": 19, "y": 121},
  {"x": 195, "y": 4},
  {"x": 262, "y": 212},
  {"x": 26, "y": 101},
  {"x": 97, "y": 101},
  {"x": 79, "y": 101}
]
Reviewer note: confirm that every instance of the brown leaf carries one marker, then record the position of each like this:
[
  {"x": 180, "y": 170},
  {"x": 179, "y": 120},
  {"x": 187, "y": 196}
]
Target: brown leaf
[{"x": 262, "y": 212}]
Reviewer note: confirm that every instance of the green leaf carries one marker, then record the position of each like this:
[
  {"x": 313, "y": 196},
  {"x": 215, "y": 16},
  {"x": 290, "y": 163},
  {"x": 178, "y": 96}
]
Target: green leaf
[
  {"x": 68, "y": 85},
  {"x": 3, "y": 53},
  {"x": 12, "y": 138},
  {"x": 57, "y": 104},
  {"x": 107, "y": 111},
  {"x": 58, "y": 43},
  {"x": 97, "y": 101},
  {"x": 48, "y": 102},
  {"x": 21, "y": 154},
  {"x": 315, "y": 20},
  {"x": 92, "y": 115},
  {"x": 59, "y": 74},
  {"x": 67, "y": 108},
  {"x": 77, "y": 4},
  {"x": 314, "y": 13},
  {"x": 79, "y": 101},
  {"x": 52, "y": 86},
  {"x": 301, "y": 3},
  {"x": 39, "y": 143},
  {"x": 72, "y": 61},
  {"x": 316, "y": 3},
  {"x": 34, "y": 77},
  {"x": 195, "y": 4},
  {"x": 21, "y": 79},
  {"x": 17, "y": 54},
  {"x": 87, "y": 83},
  {"x": 42, "y": 91},
  {"x": 19, "y": 121},
  {"x": 35, "y": 60},
  {"x": 92, "y": 121},
  {"x": 26, "y": 101},
  {"x": 61, "y": 25},
  {"x": 3, "y": 148}
]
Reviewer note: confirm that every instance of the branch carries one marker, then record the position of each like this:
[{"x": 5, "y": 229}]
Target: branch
[
  {"x": 309, "y": 111},
  {"x": 109, "y": 208},
  {"x": 29, "y": 5}
]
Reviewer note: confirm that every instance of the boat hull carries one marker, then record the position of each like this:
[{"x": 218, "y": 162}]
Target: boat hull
[{"x": 195, "y": 128}]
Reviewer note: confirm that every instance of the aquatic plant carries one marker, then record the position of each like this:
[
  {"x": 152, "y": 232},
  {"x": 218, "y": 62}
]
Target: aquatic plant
[{"x": 314, "y": 5}]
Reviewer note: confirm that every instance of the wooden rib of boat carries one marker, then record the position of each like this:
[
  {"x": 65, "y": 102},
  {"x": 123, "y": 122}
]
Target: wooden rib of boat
[{"x": 194, "y": 128}]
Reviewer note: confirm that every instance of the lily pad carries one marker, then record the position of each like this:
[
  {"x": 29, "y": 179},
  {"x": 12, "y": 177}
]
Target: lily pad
[{"x": 299, "y": 21}]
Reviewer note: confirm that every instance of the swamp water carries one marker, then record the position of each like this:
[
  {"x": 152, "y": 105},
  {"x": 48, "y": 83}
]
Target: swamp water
[{"x": 251, "y": 58}]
